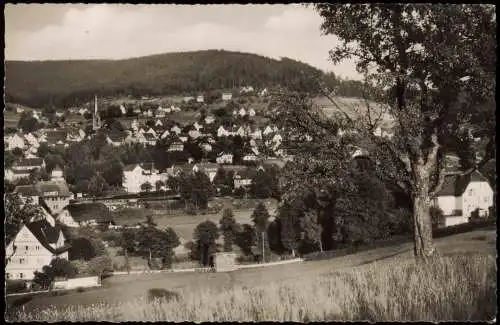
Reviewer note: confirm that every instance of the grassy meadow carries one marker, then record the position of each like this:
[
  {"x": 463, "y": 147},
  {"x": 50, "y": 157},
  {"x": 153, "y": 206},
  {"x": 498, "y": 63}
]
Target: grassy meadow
[{"x": 377, "y": 285}]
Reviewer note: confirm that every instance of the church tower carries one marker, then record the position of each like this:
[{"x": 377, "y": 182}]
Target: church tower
[{"x": 96, "y": 121}]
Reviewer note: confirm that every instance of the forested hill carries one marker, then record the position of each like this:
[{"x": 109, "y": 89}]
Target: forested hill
[{"x": 64, "y": 83}]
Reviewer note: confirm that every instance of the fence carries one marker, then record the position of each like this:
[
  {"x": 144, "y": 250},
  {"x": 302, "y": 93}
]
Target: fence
[{"x": 86, "y": 282}]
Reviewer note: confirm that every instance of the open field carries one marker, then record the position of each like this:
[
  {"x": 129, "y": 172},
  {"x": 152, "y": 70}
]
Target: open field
[
  {"x": 182, "y": 223},
  {"x": 372, "y": 285},
  {"x": 354, "y": 107}
]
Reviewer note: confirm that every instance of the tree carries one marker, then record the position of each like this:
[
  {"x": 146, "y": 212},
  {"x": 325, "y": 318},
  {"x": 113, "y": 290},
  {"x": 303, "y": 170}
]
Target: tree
[
  {"x": 17, "y": 213},
  {"x": 260, "y": 217},
  {"x": 157, "y": 243},
  {"x": 159, "y": 184},
  {"x": 81, "y": 249},
  {"x": 228, "y": 228},
  {"x": 150, "y": 222},
  {"x": 205, "y": 235},
  {"x": 100, "y": 265},
  {"x": 246, "y": 238},
  {"x": 312, "y": 228},
  {"x": 146, "y": 187},
  {"x": 289, "y": 227},
  {"x": 439, "y": 78},
  {"x": 97, "y": 185},
  {"x": 28, "y": 123},
  {"x": 43, "y": 150}
]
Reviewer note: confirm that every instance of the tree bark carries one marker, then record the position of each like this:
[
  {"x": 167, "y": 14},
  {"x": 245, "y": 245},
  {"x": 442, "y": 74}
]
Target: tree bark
[
  {"x": 320, "y": 245},
  {"x": 422, "y": 223}
]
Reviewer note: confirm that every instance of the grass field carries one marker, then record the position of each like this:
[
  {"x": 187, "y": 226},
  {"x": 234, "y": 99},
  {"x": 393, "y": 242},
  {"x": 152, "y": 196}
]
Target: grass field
[
  {"x": 182, "y": 223},
  {"x": 380, "y": 284}
]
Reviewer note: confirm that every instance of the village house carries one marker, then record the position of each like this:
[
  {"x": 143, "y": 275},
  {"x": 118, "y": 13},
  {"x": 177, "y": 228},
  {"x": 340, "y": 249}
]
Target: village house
[
  {"x": 227, "y": 96},
  {"x": 251, "y": 112},
  {"x": 209, "y": 119},
  {"x": 82, "y": 111},
  {"x": 123, "y": 110},
  {"x": 54, "y": 194},
  {"x": 13, "y": 175},
  {"x": 256, "y": 134},
  {"x": 27, "y": 192},
  {"x": 29, "y": 164},
  {"x": 187, "y": 99},
  {"x": 135, "y": 175},
  {"x": 224, "y": 158},
  {"x": 222, "y": 132},
  {"x": 176, "y": 146},
  {"x": 243, "y": 178},
  {"x": 246, "y": 89},
  {"x": 151, "y": 131},
  {"x": 115, "y": 139},
  {"x": 464, "y": 197},
  {"x": 15, "y": 141},
  {"x": 165, "y": 134},
  {"x": 197, "y": 126},
  {"x": 158, "y": 123},
  {"x": 242, "y": 112},
  {"x": 209, "y": 169},
  {"x": 149, "y": 139},
  {"x": 34, "y": 246},
  {"x": 267, "y": 130},
  {"x": 176, "y": 129},
  {"x": 194, "y": 134},
  {"x": 200, "y": 99}
]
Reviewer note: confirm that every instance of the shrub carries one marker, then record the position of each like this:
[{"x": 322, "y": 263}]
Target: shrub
[
  {"x": 15, "y": 286},
  {"x": 162, "y": 294},
  {"x": 80, "y": 289}
]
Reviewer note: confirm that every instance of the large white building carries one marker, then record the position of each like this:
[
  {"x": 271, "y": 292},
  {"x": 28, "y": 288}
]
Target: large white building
[
  {"x": 463, "y": 196},
  {"x": 135, "y": 175}
]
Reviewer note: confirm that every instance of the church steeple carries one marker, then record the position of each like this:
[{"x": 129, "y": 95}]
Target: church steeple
[{"x": 96, "y": 121}]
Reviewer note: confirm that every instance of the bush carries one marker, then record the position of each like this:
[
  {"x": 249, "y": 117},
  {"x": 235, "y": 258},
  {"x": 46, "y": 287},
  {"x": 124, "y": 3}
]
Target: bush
[
  {"x": 15, "y": 286},
  {"x": 80, "y": 289},
  {"x": 162, "y": 294}
]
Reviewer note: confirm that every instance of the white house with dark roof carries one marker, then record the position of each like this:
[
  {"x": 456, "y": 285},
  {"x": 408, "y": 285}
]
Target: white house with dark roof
[
  {"x": 209, "y": 119},
  {"x": 135, "y": 175},
  {"x": 175, "y": 129},
  {"x": 251, "y": 112},
  {"x": 176, "y": 146},
  {"x": 463, "y": 196},
  {"x": 227, "y": 96},
  {"x": 13, "y": 175},
  {"x": 15, "y": 141},
  {"x": 34, "y": 246},
  {"x": 29, "y": 164},
  {"x": 222, "y": 132},
  {"x": 242, "y": 112},
  {"x": 224, "y": 158}
]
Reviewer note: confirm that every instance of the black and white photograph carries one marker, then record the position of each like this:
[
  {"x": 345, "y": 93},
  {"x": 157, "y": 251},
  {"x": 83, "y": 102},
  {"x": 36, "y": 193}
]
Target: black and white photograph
[{"x": 301, "y": 162}]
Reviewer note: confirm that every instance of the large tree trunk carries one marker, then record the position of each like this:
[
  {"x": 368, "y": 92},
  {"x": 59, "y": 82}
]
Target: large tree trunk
[{"x": 422, "y": 223}]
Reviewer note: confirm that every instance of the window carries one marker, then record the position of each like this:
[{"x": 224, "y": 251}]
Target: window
[
  {"x": 7, "y": 275},
  {"x": 37, "y": 247},
  {"x": 21, "y": 275},
  {"x": 485, "y": 199},
  {"x": 27, "y": 247},
  {"x": 21, "y": 260},
  {"x": 471, "y": 192}
]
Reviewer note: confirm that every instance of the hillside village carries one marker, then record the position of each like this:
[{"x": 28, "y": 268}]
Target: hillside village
[{"x": 228, "y": 141}]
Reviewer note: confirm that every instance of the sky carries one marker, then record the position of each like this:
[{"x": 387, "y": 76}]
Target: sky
[{"x": 113, "y": 31}]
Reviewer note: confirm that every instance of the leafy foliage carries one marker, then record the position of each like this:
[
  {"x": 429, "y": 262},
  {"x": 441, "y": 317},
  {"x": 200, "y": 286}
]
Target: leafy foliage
[
  {"x": 228, "y": 229},
  {"x": 205, "y": 235}
]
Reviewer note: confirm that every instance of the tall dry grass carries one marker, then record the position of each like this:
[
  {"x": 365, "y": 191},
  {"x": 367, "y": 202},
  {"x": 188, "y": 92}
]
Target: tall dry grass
[{"x": 448, "y": 288}]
